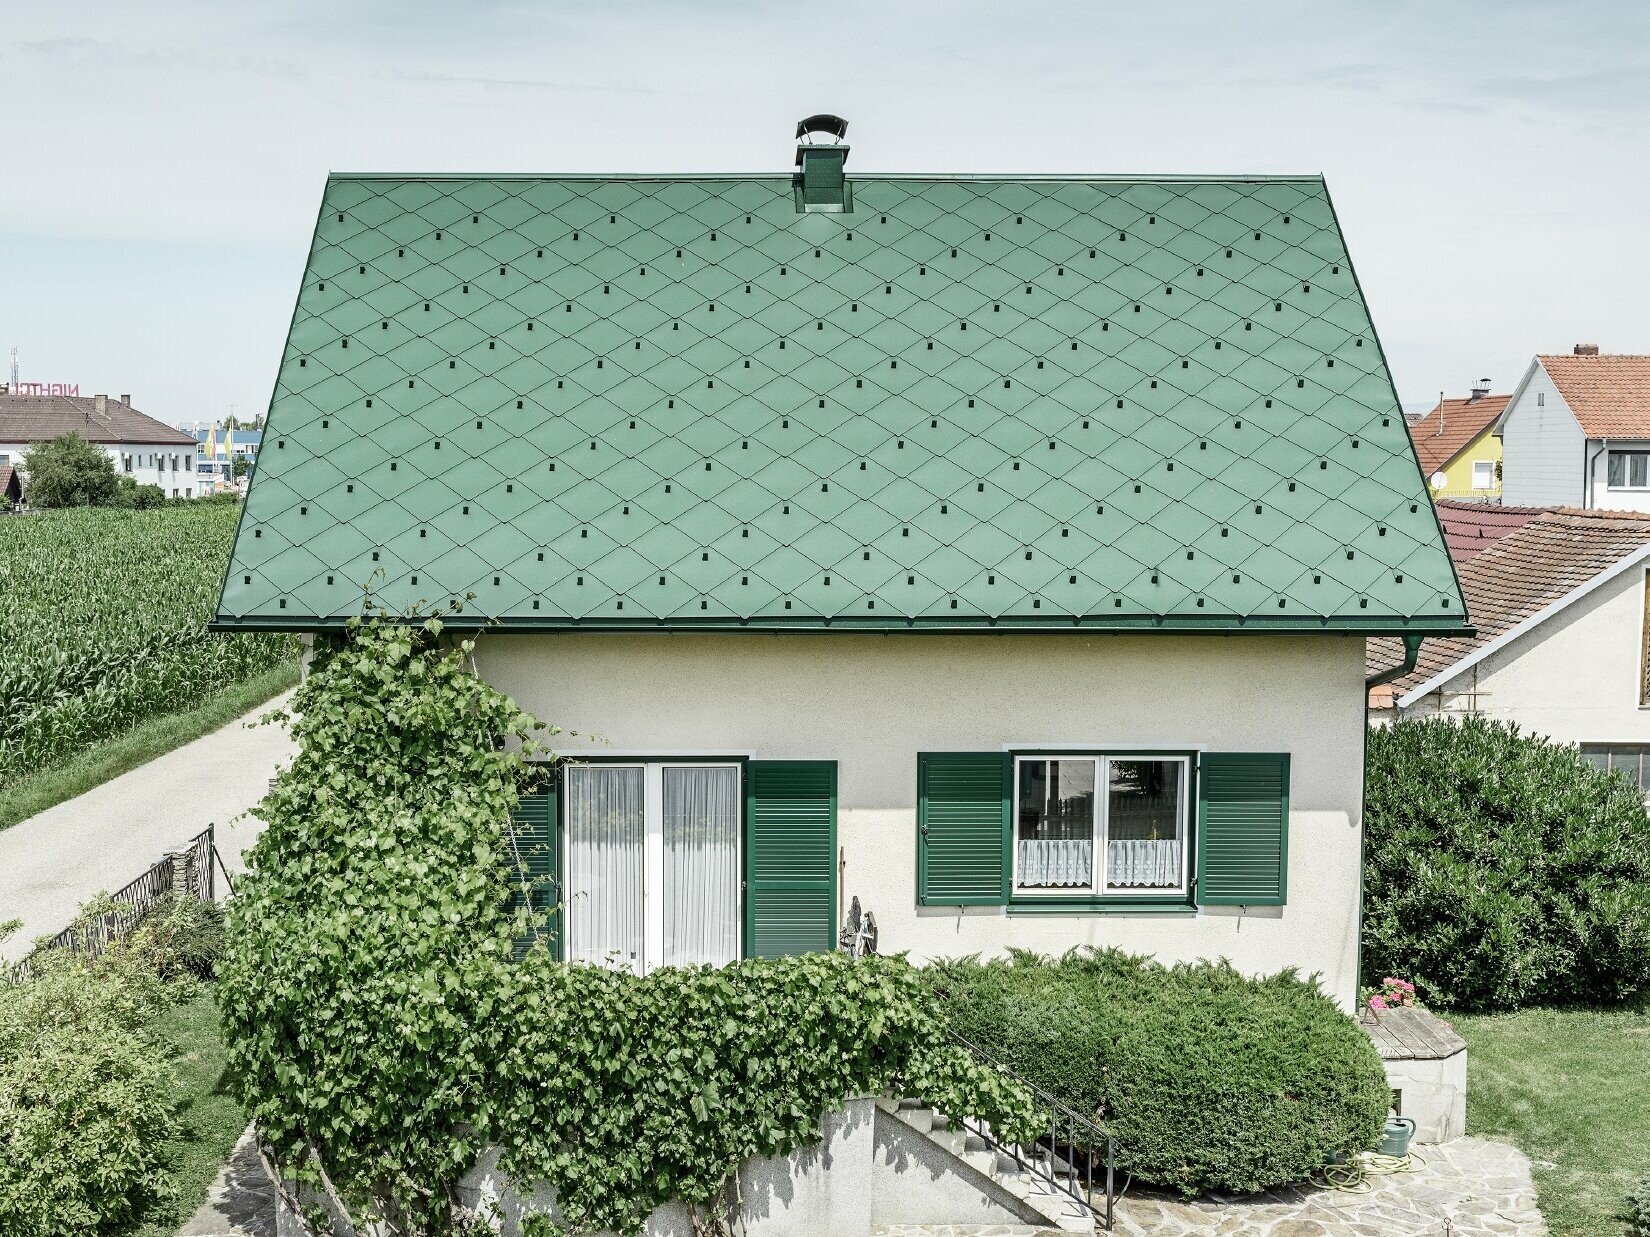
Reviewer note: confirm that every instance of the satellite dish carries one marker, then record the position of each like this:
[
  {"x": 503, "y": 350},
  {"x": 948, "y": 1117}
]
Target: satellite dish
[{"x": 1439, "y": 480}]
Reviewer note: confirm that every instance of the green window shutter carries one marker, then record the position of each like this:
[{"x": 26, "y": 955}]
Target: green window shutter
[
  {"x": 963, "y": 828},
  {"x": 1243, "y": 829},
  {"x": 537, "y": 848},
  {"x": 790, "y": 857}
]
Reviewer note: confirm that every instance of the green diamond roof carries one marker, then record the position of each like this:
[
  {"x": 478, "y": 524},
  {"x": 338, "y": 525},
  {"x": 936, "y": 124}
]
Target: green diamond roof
[{"x": 1044, "y": 403}]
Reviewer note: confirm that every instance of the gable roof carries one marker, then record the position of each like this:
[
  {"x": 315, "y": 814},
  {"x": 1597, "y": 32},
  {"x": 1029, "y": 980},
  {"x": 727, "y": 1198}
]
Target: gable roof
[
  {"x": 1470, "y": 527},
  {"x": 1609, "y": 394},
  {"x": 40, "y": 418},
  {"x": 1522, "y": 579},
  {"x": 1039, "y": 403},
  {"x": 1452, "y": 427},
  {"x": 10, "y": 486}
]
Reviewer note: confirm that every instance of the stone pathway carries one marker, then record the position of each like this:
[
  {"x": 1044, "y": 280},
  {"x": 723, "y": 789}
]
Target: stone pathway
[
  {"x": 1468, "y": 1188},
  {"x": 241, "y": 1202}
]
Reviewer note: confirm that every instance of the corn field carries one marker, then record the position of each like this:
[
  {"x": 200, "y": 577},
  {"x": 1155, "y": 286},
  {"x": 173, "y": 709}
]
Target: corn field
[{"x": 103, "y": 625}]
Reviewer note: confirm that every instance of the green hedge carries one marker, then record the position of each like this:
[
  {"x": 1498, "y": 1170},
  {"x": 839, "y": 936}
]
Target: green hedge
[
  {"x": 1206, "y": 1079},
  {"x": 1502, "y": 869}
]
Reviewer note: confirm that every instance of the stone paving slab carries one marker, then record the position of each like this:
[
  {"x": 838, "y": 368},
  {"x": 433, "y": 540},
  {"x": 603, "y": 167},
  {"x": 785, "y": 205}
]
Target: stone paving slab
[
  {"x": 240, "y": 1202},
  {"x": 1467, "y": 1188}
]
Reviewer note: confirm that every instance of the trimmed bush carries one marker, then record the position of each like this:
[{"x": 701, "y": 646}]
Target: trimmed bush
[
  {"x": 1206, "y": 1079},
  {"x": 1502, "y": 869},
  {"x": 1638, "y": 1209}
]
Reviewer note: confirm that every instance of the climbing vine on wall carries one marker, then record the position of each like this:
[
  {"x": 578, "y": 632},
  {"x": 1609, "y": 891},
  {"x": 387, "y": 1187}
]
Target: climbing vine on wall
[{"x": 383, "y": 1031}]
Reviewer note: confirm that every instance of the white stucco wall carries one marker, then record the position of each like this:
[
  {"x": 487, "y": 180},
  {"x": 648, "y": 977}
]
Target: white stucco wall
[
  {"x": 872, "y": 702},
  {"x": 1573, "y": 677},
  {"x": 1542, "y": 447},
  {"x": 1603, "y": 494},
  {"x": 169, "y": 467}
]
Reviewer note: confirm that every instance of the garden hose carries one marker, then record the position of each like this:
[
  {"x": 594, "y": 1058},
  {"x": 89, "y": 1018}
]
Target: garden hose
[{"x": 1354, "y": 1176}]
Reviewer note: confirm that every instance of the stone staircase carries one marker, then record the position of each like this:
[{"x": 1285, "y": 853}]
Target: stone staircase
[{"x": 1027, "y": 1186}]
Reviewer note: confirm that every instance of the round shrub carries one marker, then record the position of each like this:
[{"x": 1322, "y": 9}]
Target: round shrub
[
  {"x": 1206, "y": 1079},
  {"x": 1502, "y": 869}
]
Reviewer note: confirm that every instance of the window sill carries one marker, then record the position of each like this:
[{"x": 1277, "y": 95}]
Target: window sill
[{"x": 1100, "y": 906}]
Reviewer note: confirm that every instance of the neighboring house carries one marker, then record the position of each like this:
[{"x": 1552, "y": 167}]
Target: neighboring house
[
  {"x": 11, "y": 486},
  {"x": 140, "y": 446},
  {"x": 1457, "y": 447},
  {"x": 1577, "y": 432},
  {"x": 998, "y": 549},
  {"x": 1560, "y": 606},
  {"x": 1471, "y": 527}
]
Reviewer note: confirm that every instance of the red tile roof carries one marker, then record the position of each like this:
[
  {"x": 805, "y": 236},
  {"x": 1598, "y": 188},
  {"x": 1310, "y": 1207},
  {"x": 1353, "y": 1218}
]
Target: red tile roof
[
  {"x": 10, "y": 487},
  {"x": 40, "y": 418},
  {"x": 1514, "y": 578},
  {"x": 1448, "y": 429},
  {"x": 1470, "y": 527},
  {"x": 1610, "y": 395}
]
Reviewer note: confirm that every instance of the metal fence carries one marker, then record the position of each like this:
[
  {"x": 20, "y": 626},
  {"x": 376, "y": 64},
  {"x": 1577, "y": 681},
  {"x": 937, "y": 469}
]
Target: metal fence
[{"x": 188, "y": 871}]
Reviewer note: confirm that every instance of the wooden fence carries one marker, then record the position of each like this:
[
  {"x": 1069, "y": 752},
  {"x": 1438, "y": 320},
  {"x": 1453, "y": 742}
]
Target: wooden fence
[{"x": 187, "y": 871}]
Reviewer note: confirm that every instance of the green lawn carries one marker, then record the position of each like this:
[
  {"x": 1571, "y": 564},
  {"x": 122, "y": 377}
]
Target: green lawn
[
  {"x": 1572, "y": 1089},
  {"x": 211, "y": 1120},
  {"x": 23, "y": 797}
]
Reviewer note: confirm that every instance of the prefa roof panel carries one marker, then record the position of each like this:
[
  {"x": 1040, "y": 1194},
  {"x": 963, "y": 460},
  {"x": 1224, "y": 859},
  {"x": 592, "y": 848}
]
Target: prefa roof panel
[{"x": 1032, "y": 403}]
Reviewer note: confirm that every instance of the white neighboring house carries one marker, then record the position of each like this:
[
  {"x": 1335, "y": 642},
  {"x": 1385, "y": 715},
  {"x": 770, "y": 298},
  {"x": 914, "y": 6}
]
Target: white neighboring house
[
  {"x": 1577, "y": 432},
  {"x": 1560, "y": 604},
  {"x": 142, "y": 448}
]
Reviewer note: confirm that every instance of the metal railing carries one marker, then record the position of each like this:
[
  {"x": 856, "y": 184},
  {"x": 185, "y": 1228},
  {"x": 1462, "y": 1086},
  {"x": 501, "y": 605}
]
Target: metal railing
[
  {"x": 188, "y": 871},
  {"x": 1067, "y": 1158}
]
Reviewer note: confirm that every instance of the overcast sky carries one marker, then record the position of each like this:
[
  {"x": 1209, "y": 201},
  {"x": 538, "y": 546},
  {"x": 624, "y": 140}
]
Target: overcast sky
[{"x": 163, "y": 162}]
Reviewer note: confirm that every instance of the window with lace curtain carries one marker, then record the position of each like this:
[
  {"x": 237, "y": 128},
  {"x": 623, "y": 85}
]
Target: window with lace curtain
[{"x": 1113, "y": 824}]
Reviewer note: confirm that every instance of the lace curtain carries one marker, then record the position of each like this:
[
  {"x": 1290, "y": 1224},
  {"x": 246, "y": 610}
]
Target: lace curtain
[
  {"x": 605, "y": 832},
  {"x": 701, "y": 827}
]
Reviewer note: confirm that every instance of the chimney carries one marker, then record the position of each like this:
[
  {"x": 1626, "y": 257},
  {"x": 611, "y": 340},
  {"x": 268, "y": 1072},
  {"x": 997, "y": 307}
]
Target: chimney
[
  {"x": 820, "y": 185},
  {"x": 1480, "y": 389},
  {"x": 1586, "y": 349},
  {"x": 101, "y": 404},
  {"x": 127, "y": 400}
]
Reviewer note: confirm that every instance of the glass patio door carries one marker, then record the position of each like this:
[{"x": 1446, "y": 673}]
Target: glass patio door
[{"x": 653, "y": 864}]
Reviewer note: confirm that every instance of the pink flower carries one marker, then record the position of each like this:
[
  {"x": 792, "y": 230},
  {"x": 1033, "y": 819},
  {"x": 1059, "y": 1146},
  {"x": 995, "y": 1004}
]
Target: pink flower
[{"x": 1376, "y": 1003}]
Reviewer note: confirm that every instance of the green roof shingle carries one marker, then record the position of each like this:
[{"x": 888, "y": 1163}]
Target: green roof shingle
[{"x": 658, "y": 401}]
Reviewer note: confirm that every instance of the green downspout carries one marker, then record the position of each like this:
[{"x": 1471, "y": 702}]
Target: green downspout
[{"x": 1412, "y": 651}]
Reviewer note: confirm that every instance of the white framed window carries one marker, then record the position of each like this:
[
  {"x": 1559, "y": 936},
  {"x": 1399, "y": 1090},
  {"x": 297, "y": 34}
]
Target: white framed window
[
  {"x": 1483, "y": 474},
  {"x": 1628, "y": 470},
  {"x": 653, "y": 863},
  {"x": 1101, "y": 824}
]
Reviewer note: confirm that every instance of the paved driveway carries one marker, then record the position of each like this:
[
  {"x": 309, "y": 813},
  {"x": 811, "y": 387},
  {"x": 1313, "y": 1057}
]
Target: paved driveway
[{"x": 52, "y": 863}]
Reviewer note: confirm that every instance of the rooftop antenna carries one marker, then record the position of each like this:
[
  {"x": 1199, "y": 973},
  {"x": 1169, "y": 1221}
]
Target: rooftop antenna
[{"x": 14, "y": 371}]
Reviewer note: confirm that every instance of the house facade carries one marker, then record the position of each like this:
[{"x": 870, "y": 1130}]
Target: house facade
[
  {"x": 141, "y": 448},
  {"x": 1560, "y": 604},
  {"x": 1000, "y": 551},
  {"x": 1576, "y": 432},
  {"x": 1457, "y": 446}
]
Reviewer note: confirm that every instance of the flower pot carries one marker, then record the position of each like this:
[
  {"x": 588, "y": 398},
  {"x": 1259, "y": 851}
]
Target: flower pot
[{"x": 1395, "y": 1137}]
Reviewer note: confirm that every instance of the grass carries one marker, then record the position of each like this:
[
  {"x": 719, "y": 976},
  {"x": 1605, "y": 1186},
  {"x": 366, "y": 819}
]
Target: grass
[
  {"x": 211, "y": 1120},
  {"x": 35, "y": 792},
  {"x": 1571, "y": 1088}
]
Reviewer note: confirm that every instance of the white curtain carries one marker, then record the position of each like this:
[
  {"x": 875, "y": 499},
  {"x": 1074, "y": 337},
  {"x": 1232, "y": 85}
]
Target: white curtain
[
  {"x": 1056, "y": 861},
  {"x": 1148, "y": 863},
  {"x": 701, "y": 826},
  {"x": 605, "y": 831}
]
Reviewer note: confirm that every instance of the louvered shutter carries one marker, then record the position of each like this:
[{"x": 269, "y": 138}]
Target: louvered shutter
[
  {"x": 963, "y": 828},
  {"x": 1243, "y": 829},
  {"x": 790, "y": 857},
  {"x": 534, "y": 844}
]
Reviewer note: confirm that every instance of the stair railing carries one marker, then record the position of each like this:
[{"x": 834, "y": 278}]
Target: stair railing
[{"x": 1072, "y": 1174}]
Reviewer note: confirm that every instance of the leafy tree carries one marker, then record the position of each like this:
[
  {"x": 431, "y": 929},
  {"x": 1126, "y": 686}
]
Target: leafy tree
[
  {"x": 238, "y": 467},
  {"x": 69, "y": 472},
  {"x": 1502, "y": 869}
]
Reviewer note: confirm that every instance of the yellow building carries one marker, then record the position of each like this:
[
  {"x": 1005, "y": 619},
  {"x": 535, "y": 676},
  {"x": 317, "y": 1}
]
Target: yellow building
[{"x": 1459, "y": 451}]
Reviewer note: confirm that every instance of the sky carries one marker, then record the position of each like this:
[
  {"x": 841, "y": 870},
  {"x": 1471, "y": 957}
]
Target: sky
[{"x": 164, "y": 161}]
